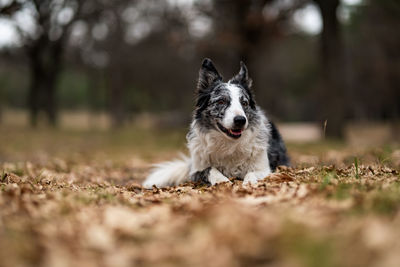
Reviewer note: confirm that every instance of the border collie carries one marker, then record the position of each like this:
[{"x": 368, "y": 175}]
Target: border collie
[{"x": 229, "y": 136}]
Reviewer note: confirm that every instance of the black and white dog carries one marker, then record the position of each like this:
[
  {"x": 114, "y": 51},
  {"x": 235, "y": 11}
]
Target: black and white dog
[{"x": 229, "y": 136}]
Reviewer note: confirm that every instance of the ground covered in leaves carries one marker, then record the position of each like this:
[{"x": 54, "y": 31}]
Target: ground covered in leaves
[{"x": 74, "y": 199}]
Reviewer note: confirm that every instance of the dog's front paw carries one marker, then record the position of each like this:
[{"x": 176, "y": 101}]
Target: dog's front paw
[
  {"x": 250, "y": 179},
  {"x": 216, "y": 177}
]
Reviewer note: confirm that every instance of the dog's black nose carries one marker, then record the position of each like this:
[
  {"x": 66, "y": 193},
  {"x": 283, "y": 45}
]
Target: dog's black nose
[{"x": 239, "y": 121}]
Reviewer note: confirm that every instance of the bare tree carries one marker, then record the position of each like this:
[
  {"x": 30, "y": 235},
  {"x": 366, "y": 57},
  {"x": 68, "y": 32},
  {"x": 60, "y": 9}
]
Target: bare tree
[
  {"x": 44, "y": 44},
  {"x": 133, "y": 62},
  {"x": 332, "y": 95},
  {"x": 241, "y": 27}
]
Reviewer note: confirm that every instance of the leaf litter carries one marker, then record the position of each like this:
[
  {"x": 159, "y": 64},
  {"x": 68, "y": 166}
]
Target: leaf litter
[{"x": 91, "y": 213}]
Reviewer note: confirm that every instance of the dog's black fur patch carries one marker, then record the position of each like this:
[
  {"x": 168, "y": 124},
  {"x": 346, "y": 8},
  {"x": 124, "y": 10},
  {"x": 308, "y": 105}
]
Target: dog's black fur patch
[
  {"x": 201, "y": 177},
  {"x": 277, "y": 153}
]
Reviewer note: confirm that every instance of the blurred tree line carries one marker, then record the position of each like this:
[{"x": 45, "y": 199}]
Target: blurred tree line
[{"x": 126, "y": 57}]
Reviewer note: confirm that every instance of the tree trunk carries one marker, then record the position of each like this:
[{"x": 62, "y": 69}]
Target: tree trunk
[
  {"x": 243, "y": 30},
  {"x": 116, "y": 92},
  {"x": 332, "y": 97},
  {"x": 2, "y": 96},
  {"x": 54, "y": 70},
  {"x": 50, "y": 105},
  {"x": 35, "y": 88},
  {"x": 116, "y": 84},
  {"x": 45, "y": 67}
]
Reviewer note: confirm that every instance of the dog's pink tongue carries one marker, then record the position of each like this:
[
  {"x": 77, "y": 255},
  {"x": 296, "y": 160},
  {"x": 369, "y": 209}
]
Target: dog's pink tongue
[{"x": 236, "y": 132}]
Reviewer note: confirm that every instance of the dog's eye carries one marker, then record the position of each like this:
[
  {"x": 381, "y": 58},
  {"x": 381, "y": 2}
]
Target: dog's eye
[
  {"x": 221, "y": 102},
  {"x": 245, "y": 103}
]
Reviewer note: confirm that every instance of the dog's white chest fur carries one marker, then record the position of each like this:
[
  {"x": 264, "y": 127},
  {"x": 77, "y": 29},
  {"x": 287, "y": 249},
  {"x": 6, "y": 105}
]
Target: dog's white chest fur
[{"x": 233, "y": 158}]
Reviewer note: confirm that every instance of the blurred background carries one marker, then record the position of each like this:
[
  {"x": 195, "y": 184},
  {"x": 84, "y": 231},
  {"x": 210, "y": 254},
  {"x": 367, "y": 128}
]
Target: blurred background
[
  {"x": 320, "y": 67},
  {"x": 92, "y": 92}
]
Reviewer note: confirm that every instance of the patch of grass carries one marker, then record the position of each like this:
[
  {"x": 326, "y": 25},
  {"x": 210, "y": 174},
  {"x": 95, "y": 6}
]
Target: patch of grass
[
  {"x": 327, "y": 178},
  {"x": 356, "y": 168},
  {"x": 18, "y": 171},
  {"x": 3, "y": 176},
  {"x": 383, "y": 155},
  {"x": 37, "y": 178}
]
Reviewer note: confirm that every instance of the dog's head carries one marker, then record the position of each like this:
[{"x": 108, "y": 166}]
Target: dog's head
[{"x": 226, "y": 107}]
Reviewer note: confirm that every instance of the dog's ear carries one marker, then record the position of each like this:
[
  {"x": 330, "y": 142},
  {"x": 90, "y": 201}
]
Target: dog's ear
[
  {"x": 244, "y": 80},
  {"x": 243, "y": 77},
  {"x": 208, "y": 75}
]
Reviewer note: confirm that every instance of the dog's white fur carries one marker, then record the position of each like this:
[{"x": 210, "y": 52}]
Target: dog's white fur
[
  {"x": 245, "y": 157},
  {"x": 235, "y": 108}
]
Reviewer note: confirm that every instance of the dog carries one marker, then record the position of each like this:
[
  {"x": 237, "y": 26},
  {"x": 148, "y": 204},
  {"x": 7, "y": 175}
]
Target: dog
[{"x": 230, "y": 136}]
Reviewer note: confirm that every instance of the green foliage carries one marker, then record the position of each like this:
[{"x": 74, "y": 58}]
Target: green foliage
[
  {"x": 3, "y": 176},
  {"x": 19, "y": 171},
  {"x": 356, "y": 167},
  {"x": 73, "y": 90},
  {"x": 138, "y": 99},
  {"x": 13, "y": 88},
  {"x": 326, "y": 180}
]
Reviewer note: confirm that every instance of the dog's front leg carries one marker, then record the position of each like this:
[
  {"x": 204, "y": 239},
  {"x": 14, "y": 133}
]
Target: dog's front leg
[
  {"x": 210, "y": 176},
  {"x": 261, "y": 171}
]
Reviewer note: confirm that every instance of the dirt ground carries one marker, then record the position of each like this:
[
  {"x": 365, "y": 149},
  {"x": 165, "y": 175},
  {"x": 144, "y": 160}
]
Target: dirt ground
[{"x": 74, "y": 199}]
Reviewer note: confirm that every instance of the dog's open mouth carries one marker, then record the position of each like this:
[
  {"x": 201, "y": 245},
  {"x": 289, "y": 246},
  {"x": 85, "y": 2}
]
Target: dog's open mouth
[{"x": 234, "y": 133}]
